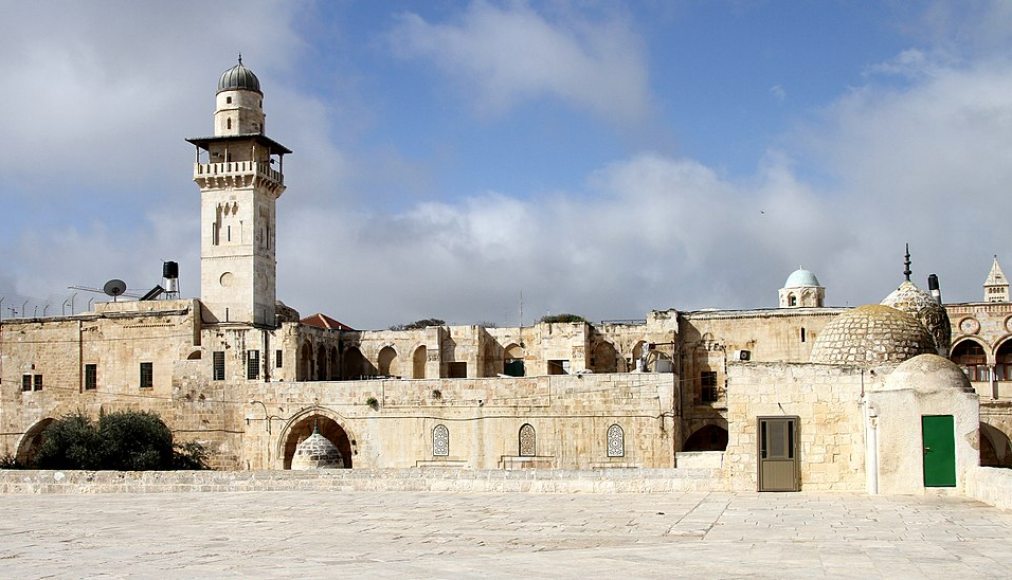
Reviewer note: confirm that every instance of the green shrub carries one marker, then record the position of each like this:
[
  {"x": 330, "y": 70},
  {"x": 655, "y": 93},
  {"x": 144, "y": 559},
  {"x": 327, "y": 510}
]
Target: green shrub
[
  {"x": 562, "y": 318},
  {"x": 122, "y": 441}
]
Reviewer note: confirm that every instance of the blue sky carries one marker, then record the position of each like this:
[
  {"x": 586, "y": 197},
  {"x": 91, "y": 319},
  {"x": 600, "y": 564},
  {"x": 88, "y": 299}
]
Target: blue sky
[{"x": 602, "y": 158}]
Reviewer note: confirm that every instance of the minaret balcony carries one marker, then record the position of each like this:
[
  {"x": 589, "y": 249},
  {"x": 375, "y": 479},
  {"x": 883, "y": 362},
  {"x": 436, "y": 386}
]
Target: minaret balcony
[{"x": 234, "y": 174}]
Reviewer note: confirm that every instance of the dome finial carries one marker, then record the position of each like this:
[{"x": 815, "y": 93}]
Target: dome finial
[
  {"x": 906, "y": 264},
  {"x": 240, "y": 58}
]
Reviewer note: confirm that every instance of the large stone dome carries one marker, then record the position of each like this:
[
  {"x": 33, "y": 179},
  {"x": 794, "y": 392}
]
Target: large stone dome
[
  {"x": 238, "y": 78},
  {"x": 871, "y": 335},
  {"x": 317, "y": 452},
  {"x": 919, "y": 304},
  {"x": 927, "y": 373}
]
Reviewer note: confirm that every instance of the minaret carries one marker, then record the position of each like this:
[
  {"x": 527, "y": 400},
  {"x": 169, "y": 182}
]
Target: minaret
[
  {"x": 240, "y": 180},
  {"x": 996, "y": 285}
]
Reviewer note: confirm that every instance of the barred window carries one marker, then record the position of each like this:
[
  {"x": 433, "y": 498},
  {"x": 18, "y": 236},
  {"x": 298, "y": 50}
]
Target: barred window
[
  {"x": 279, "y": 358},
  {"x": 90, "y": 377},
  {"x": 26, "y": 382},
  {"x": 218, "y": 365},
  {"x": 38, "y": 382},
  {"x": 708, "y": 389},
  {"x": 252, "y": 364},
  {"x": 147, "y": 375}
]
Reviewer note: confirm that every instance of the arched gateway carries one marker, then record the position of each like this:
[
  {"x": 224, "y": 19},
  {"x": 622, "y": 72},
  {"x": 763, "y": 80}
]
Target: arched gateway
[{"x": 328, "y": 428}]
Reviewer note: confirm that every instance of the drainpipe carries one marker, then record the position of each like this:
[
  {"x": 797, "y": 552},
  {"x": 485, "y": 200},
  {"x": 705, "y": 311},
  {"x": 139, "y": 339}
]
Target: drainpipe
[{"x": 871, "y": 454}]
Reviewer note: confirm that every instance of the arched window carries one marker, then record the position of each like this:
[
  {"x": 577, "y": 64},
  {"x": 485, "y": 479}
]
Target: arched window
[
  {"x": 440, "y": 441},
  {"x": 969, "y": 355},
  {"x": 616, "y": 441},
  {"x": 228, "y": 123},
  {"x": 803, "y": 334},
  {"x": 528, "y": 441},
  {"x": 792, "y": 300},
  {"x": 1003, "y": 362}
]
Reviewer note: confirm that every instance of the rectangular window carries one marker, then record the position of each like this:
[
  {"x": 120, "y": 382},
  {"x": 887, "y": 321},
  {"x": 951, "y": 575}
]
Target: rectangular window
[
  {"x": 252, "y": 364},
  {"x": 147, "y": 375},
  {"x": 279, "y": 359},
  {"x": 90, "y": 377},
  {"x": 37, "y": 382},
  {"x": 708, "y": 386},
  {"x": 26, "y": 382},
  {"x": 218, "y": 365}
]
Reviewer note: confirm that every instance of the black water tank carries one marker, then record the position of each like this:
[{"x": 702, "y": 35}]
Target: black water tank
[{"x": 170, "y": 270}]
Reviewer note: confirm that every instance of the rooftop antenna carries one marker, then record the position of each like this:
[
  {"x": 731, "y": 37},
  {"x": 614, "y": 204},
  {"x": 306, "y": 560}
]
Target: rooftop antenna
[{"x": 906, "y": 264}]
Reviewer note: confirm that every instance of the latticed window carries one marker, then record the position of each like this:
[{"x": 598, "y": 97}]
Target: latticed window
[
  {"x": 616, "y": 441},
  {"x": 218, "y": 365},
  {"x": 440, "y": 440},
  {"x": 528, "y": 441},
  {"x": 253, "y": 364}
]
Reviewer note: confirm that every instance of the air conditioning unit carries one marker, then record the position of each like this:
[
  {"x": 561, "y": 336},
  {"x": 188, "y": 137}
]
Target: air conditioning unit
[{"x": 743, "y": 355}]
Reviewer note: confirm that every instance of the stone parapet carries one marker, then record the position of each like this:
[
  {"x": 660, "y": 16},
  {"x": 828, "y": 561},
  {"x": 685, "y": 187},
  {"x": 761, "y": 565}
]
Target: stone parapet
[
  {"x": 991, "y": 485},
  {"x": 428, "y": 479}
]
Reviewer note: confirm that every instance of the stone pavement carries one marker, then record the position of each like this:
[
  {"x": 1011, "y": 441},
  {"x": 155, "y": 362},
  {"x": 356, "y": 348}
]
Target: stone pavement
[{"x": 304, "y": 534}]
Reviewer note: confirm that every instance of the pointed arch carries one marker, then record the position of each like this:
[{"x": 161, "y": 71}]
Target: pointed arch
[
  {"x": 616, "y": 441},
  {"x": 440, "y": 441},
  {"x": 528, "y": 441}
]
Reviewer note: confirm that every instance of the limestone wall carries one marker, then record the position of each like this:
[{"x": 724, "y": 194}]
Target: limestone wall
[
  {"x": 825, "y": 398},
  {"x": 990, "y": 485}
]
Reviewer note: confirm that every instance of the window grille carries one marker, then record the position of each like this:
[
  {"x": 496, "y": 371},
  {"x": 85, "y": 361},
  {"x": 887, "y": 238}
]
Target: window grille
[
  {"x": 147, "y": 375},
  {"x": 528, "y": 441},
  {"x": 253, "y": 364},
  {"x": 616, "y": 441},
  {"x": 218, "y": 365},
  {"x": 26, "y": 382},
  {"x": 90, "y": 377},
  {"x": 440, "y": 441},
  {"x": 38, "y": 382},
  {"x": 708, "y": 386}
]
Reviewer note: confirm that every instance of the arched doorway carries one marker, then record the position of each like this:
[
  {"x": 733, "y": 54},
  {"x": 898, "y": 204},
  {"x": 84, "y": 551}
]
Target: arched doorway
[
  {"x": 995, "y": 447},
  {"x": 305, "y": 362},
  {"x": 513, "y": 361},
  {"x": 354, "y": 364},
  {"x": 328, "y": 427},
  {"x": 418, "y": 361},
  {"x": 970, "y": 356},
  {"x": 1003, "y": 361},
  {"x": 334, "y": 366},
  {"x": 605, "y": 358},
  {"x": 321, "y": 363},
  {"x": 708, "y": 438},
  {"x": 30, "y": 442},
  {"x": 388, "y": 366}
]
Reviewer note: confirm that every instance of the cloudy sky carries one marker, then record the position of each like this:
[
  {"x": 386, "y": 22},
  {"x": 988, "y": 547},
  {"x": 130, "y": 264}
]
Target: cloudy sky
[{"x": 599, "y": 158}]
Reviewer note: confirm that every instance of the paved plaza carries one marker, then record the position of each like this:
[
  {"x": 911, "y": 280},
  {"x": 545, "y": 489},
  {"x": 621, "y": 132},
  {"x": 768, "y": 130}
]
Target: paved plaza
[{"x": 454, "y": 535}]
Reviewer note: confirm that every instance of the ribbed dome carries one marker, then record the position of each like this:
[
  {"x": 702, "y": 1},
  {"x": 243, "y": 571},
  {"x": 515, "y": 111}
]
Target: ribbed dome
[
  {"x": 317, "y": 452},
  {"x": 919, "y": 304},
  {"x": 870, "y": 335},
  {"x": 238, "y": 77},
  {"x": 800, "y": 278}
]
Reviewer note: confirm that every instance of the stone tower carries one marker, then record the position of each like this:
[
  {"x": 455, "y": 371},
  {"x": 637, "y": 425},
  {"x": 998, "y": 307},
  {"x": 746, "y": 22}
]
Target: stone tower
[
  {"x": 240, "y": 174},
  {"x": 996, "y": 285},
  {"x": 802, "y": 290}
]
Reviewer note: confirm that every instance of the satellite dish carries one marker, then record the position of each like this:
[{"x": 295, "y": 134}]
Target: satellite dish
[{"x": 114, "y": 287}]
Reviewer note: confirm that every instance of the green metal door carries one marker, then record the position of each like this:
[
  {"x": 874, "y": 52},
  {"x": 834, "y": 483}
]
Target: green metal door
[{"x": 938, "y": 433}]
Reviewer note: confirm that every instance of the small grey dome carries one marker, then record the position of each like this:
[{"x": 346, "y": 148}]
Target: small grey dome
[
  {"x": 800, "y": 278},
  {"x": 317, "y": 452},
  {"x": 238, "y": 78}
]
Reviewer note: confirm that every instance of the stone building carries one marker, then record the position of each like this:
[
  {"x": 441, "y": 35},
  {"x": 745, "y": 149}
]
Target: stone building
[{"x": 248, "y": 376}]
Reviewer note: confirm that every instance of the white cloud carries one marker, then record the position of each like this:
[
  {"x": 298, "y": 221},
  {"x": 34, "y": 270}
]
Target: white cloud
[{"x": 511, "y": 54}]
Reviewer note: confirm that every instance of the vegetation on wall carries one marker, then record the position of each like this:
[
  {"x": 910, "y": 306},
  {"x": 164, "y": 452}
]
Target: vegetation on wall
[
  {"x": 122, "y": 441},
  {"x": 562, "y": 318},
  {"x": 419, "y": 324}
]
